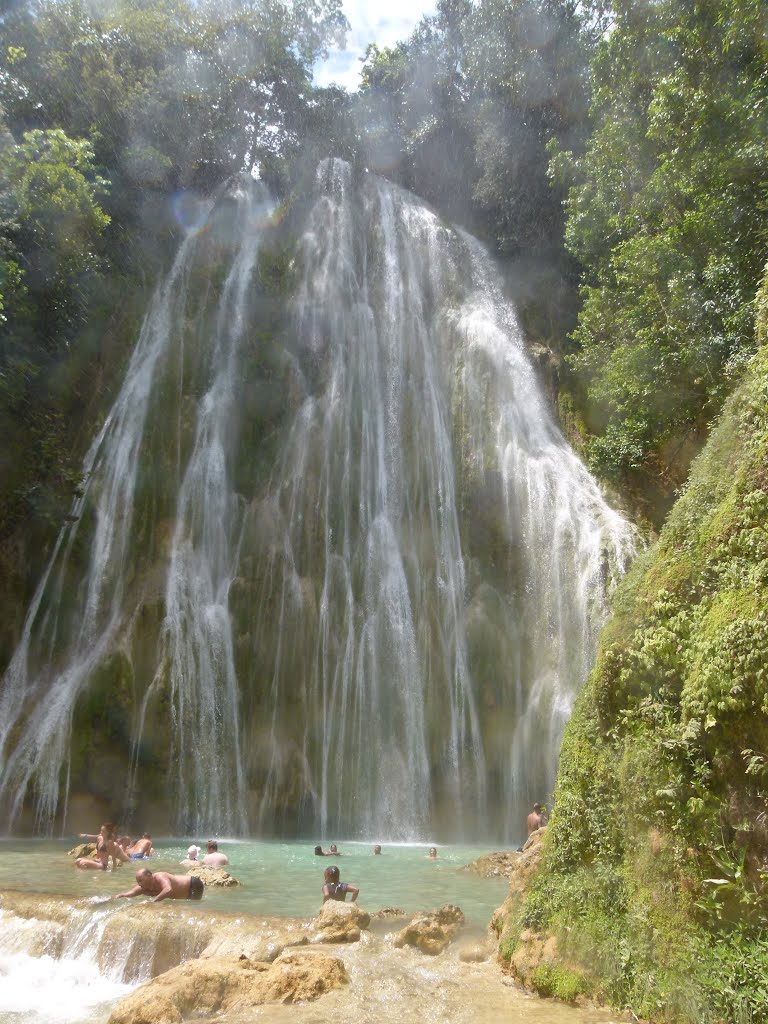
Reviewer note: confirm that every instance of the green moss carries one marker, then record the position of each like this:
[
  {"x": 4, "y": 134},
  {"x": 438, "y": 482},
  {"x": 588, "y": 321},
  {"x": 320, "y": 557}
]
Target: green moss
[
  {"x": 663, "y": 775},
  {"x": 558, "y": 982}
]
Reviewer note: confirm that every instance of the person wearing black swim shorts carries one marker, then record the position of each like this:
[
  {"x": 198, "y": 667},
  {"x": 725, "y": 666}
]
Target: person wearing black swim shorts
[{"x": 159, "y": 885}]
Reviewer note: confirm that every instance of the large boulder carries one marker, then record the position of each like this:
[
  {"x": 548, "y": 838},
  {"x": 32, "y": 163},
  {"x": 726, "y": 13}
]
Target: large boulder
[
  {"x": 494, "y": 865},
  {"x": 213, "y": 876},
  {"x": 83, "y": 850},
  {"x": 339, "y": 922},
  {"x": 220, "y": 985},
  {"x": 431, "y": 932}
]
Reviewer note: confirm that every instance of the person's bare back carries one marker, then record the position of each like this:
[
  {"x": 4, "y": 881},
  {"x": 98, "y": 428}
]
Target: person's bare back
[
  {"x": 160, "y": 885},
  {"x": 212, "y": 858},
  {"x": 536, "y": 819}
]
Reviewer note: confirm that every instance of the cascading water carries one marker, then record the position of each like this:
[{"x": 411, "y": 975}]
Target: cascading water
[{"x": 345, "y": 573}]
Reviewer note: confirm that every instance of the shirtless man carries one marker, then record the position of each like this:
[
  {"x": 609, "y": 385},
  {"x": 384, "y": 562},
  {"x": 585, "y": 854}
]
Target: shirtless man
[
  {"x": 212, "y": 858},
  {"x": 162, "y": 886},
  {"x": 536, "y": 819},
  {"x": 142, "y": 848}
]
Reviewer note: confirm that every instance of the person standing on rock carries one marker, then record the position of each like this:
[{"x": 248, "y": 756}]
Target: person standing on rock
[
  {"x": 336, "y": 890},
  {"x": 162, "y": 886},
  {"x": 536, "y": 819}
]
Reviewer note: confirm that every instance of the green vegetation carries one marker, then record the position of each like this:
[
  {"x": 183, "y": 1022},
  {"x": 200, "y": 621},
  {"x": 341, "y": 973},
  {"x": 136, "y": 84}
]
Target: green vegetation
[
  {"x": 656, "y": 867},
  {"x": 613, "y": 155}
]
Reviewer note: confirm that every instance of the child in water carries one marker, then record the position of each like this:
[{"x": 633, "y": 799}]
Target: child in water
[{"x": 336, "y": 890}]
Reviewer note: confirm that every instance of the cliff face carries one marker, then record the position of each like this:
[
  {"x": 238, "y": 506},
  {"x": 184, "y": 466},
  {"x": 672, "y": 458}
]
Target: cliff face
[{"x": 657, "y": 854}]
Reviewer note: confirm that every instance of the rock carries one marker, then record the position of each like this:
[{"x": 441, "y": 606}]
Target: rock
[
  {"x": 431, "y": 932},
  {"x": 475, "y": 952},
  {"x": 494, "y": 865},
  {"x": 386, "y": 913},
  {"x": 83, "y": 850},
  {"x": 213, "y": 876},
  {"x": 339, "y": 922},
  {"x": 220, "y": 985}
]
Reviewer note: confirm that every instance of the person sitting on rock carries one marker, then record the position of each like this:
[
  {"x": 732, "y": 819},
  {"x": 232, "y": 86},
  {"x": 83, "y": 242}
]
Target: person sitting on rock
[
  {"x": 162, "y": 886},
  {"x": 536, "y": 819},
  {"x": 191, "y": 860},
  {"x": 336, "y": 890},
  {"x": 106, "y": 847},
  {"x": 212, "y": 858}
]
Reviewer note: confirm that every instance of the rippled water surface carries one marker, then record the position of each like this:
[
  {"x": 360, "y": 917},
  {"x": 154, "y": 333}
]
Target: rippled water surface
[{"x": 280, "y": 879}]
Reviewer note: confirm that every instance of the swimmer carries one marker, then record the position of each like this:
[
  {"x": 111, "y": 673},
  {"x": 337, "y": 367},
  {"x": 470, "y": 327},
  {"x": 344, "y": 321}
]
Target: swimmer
[
  {"x": 333, "y": 889},
  {"x": 142, "y": 848},
  {"x": 377, "y": 849},
  {"x": 162, "y": 886},
  {"x": 333, "y": 851},
  {"x": 212, "y": 858},
  {"x": 432, "y": 855}
]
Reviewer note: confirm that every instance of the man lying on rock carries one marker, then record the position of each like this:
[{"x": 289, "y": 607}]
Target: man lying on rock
[{"x": 162, "y": 886}]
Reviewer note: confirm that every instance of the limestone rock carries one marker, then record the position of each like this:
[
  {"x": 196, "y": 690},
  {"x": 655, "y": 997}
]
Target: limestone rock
[
  {"x": 83, "y": 850},
  {"x": 340, "y": 922},
  {"x": 494, "y": 865},
  {"x": 431, "y": 932},
  {"x": 386, "y": 913},
  {"x": 213, "y": 876},
  {"x": 475, "y": 952},
  {"x": 220, "y": 985}
]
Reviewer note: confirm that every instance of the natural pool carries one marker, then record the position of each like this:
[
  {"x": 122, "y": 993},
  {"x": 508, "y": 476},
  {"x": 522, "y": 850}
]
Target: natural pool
[{"x": 74, "y": 986}]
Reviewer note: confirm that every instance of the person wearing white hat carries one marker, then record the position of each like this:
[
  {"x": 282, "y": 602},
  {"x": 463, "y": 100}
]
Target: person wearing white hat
[{"x": 191, "y": 861}]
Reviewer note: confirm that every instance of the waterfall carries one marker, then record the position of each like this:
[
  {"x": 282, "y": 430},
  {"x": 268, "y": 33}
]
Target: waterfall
[{"x": 334, "y": 569}]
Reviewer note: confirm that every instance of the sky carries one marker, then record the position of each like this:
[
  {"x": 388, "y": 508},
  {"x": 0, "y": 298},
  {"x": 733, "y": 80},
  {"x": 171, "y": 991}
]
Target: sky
[{"x": 384, "y": 22}]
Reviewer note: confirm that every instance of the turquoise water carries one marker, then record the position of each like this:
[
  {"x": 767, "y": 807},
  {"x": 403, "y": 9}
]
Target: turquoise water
[{"x": 281, "y": 879}]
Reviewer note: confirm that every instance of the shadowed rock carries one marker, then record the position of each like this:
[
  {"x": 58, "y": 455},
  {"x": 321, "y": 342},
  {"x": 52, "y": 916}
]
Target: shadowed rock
[{"x": 219, "y": 985}]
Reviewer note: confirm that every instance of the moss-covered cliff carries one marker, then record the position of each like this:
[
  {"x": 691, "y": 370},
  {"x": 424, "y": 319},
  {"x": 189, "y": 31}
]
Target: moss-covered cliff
[{"x": 655, "y": 869}]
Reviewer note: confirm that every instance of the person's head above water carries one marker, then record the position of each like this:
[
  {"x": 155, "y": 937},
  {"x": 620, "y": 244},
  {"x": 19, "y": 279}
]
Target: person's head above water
[
  {"x": 331, "y": 874},
  {"x": 432, "y": 853},
  {"x": 143, "y": 875},
  {"x": 333, "y": 848},
  {"x": 211, "y": 846},
  {"x": 377, "y": 849},
  {"x": 318, "y": 851}
]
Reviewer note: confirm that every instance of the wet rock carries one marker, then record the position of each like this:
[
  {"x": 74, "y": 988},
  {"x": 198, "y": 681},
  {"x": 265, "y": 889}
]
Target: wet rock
[
  {"x": 339, "y": 922},
  {"x": 431, "y": 932},
  {"x": 494, "y": 865},
  {"x": 475, "y": 952},
  {"x": 83, "y": 850},
  {"x": 387, "y": 913},
  {"x": 219, "y": 985},
  {"x": 213, "y": 876}
]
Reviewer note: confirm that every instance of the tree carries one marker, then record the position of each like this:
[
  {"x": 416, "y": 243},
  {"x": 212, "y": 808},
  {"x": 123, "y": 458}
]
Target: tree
[{"x": 666, "y": 214}]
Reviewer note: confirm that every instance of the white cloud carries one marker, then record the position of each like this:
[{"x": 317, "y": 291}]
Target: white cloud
[{"x": 384, "y": 22}]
